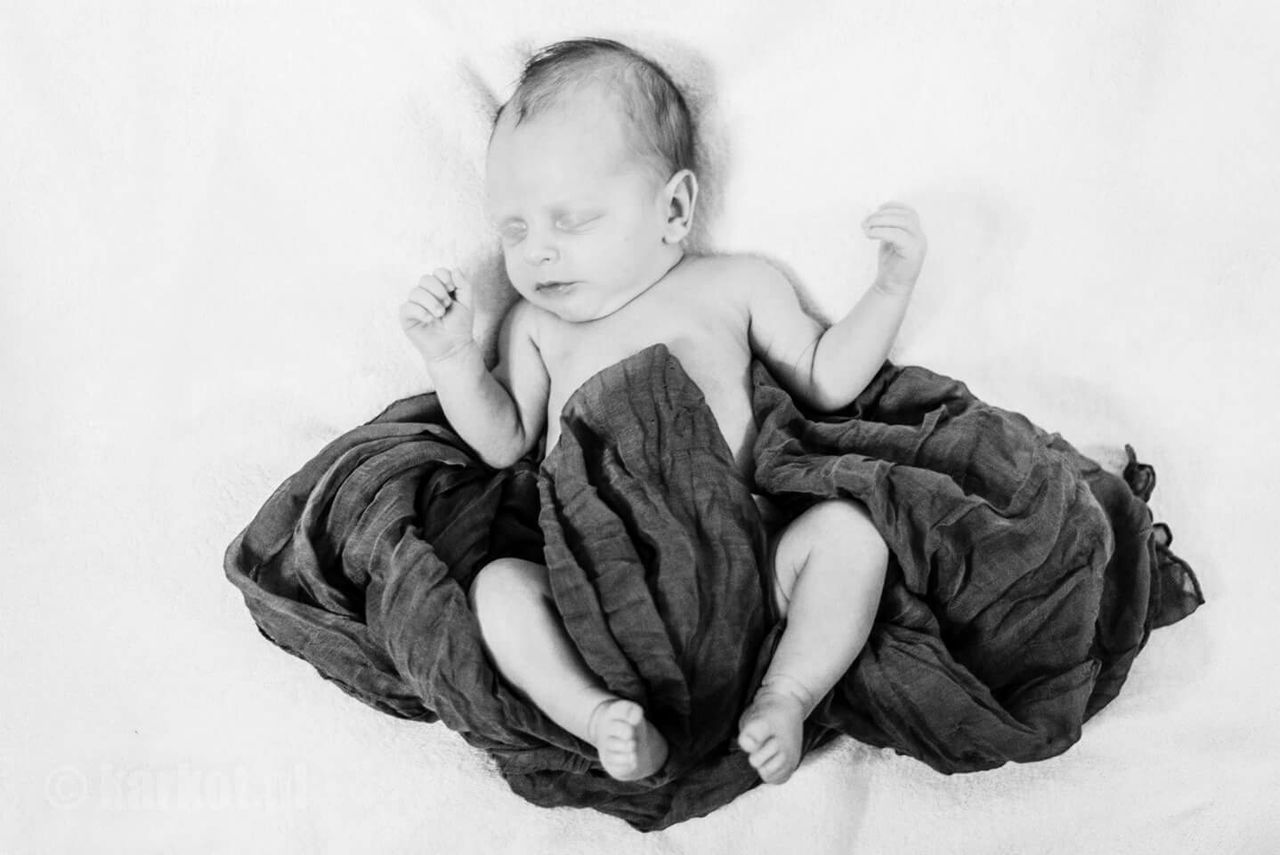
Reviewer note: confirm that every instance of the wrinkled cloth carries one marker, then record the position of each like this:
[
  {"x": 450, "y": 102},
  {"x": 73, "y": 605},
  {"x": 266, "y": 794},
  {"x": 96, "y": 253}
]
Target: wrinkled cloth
[{"x": 1022, "y": 582}]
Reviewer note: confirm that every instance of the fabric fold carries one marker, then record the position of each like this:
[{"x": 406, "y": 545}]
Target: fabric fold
[{"x": 1023, "y": 578}]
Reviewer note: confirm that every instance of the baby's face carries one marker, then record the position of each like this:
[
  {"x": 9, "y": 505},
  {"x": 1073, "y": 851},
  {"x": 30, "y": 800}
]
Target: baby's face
[{"x": 580, "y": 217}]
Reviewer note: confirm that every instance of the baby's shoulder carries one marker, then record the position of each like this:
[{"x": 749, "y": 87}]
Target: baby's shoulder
[
  {"x": 735, "y": 269},
  {"x": 736, "y": 277},
  {"x": 526, "y": 320}
]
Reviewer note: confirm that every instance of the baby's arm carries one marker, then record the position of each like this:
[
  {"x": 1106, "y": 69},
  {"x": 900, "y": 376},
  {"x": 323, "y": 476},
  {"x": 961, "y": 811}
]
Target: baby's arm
[
  {"x": 828, "y": 369},
  {"x": 502, "y": 414}
]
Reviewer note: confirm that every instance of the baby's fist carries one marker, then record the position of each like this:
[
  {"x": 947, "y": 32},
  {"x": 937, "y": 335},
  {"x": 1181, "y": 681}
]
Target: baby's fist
[
  {"x": 437, "y": 315},
  {"x": 902, "y": 245}
]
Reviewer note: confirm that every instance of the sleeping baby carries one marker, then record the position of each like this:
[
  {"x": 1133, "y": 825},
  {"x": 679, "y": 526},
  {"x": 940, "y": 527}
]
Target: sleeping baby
[{"x": 591, "y": 184}]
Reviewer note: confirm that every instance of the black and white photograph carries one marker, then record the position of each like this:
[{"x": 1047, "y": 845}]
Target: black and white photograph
[{"x": 644, "y": 428}]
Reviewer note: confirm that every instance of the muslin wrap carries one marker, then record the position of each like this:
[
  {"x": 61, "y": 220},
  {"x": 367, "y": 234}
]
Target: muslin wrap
[{"x": 1023, "y": 578}]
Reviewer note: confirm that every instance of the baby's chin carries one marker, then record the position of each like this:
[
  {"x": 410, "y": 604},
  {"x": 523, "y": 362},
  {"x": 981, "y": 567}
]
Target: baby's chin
[
  {"x": 570, "y": 304},
  {"x": 575, "y": 315}
]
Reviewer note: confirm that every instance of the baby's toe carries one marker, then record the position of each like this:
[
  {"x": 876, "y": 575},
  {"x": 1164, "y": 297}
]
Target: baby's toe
[
  {"x": 764, "y": 756},
  {"x": 630, "y": 712},
  {"x": 615, "y": 728},
  {"x": 756, "y": 730},
  {"x": 778, "y": 765},
  {"x": 776, "y": 771},
  {"x": 623, "y": 715}
]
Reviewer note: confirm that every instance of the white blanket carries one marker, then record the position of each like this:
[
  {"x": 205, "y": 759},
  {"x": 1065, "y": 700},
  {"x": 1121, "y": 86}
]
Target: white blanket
[{"x": 209, "y": 213}]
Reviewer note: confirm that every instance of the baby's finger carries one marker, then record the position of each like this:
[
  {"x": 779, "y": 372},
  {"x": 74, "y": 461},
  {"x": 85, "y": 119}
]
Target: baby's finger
[
  {"x": 901, "y": 227},
  {"x": 445, "y": 275},
  {"x": 892, "y": 234},
  {"x": 435, "y": 285},
  {"x": 897, "y": 206},
  {"x": 891, "y": 218},
  {"x": 899, "y": 231},
  {"x": 428, "y": 301},
  {"x": 889, "y": 224},
  {"x": 894, "y": 215},
  {"x": 413, "y": 313},
  {"x": 463, "y": 290}
]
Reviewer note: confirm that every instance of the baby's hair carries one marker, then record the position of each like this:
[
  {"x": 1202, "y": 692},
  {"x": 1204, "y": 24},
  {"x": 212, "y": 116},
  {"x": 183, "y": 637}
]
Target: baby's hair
[{"x": 661, "y": 128}]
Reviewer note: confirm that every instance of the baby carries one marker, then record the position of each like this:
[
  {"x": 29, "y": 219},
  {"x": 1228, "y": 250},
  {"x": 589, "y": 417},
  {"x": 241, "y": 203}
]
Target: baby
[{"x": 590, "y": 184}]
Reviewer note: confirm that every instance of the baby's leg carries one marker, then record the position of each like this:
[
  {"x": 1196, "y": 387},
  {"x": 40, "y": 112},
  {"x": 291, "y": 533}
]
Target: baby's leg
[
  {"x": 830, "y": 567},
  {"x": 524, "y": 637}
]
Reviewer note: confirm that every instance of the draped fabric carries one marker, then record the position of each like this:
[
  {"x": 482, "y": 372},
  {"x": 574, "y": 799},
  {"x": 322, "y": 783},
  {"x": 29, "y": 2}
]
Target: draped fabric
[{"x": 1023, "y": 578}]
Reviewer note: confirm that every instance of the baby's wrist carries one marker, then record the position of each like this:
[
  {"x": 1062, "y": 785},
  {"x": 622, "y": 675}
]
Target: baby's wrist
[
  {"x": 893, "y": 287},
  {"x": 450, "y": 357}
]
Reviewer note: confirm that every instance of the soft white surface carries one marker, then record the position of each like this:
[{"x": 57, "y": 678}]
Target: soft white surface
[{"x": 209, "y": 213}]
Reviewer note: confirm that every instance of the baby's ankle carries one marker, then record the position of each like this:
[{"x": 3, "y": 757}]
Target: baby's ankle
[{"x": 787, "y": 686}]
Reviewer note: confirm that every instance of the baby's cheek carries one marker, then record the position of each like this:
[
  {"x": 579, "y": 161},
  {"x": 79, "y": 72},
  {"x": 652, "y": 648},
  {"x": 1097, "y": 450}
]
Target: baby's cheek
[{"x": 607, "y": 257}]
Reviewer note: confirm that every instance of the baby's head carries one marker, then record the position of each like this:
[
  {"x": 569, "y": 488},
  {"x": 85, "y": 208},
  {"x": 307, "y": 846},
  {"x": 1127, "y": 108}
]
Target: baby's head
[{"x": 589, "y": 177}]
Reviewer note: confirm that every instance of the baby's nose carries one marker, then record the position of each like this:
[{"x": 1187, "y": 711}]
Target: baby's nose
[{"x": 540, "y": 250}]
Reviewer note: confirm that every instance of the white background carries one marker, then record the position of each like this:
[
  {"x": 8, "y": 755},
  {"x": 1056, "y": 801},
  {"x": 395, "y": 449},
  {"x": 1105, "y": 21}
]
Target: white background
[{"x": 209, "y": 213}]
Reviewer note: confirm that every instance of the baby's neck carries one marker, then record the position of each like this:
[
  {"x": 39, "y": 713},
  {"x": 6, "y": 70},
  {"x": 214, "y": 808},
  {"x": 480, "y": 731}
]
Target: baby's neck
[
  {"x": 676, "y": 258},
  {"x": 663, "y": 272}
]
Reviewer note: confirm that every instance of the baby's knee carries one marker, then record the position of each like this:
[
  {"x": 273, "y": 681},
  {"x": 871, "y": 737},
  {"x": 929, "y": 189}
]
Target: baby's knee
[
  {"x": 503, "y": 581},
  {"x": 846, "y": 522},
  {"x": 832, "y": 533},
  {"x": 841, "y": 527}
]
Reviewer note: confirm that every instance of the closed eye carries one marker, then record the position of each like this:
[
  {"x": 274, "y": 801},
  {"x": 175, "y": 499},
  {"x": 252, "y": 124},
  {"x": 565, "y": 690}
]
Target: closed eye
[
  {"x": 516, "y": 231},
  {"x": 512, "y": 231},
  {"x": 571, "y": 223}
]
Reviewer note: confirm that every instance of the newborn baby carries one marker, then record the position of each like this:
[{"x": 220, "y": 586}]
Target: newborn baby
[{"x": 590, "y": 182}]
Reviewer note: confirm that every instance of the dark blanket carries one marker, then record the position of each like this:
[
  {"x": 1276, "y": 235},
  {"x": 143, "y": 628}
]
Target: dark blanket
[{"x": 1023, "y": 579}]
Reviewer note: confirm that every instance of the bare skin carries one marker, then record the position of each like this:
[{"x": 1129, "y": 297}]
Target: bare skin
[
  {"x": 630, "y": 747},
  {"x": 697, "y": 296},
  {"x": 593, "y": 244},
  {"x": 700, "y": 311}
]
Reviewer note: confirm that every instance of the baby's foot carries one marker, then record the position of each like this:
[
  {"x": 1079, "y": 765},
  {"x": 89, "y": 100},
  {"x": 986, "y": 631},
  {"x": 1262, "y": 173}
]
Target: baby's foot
[
  {"x": 630, "y": 747},
  {"x": 771, "y": 731}
]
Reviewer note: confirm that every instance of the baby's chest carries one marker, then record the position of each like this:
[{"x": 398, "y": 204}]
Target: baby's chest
[
  {"x": 711, "y": 351},
  {"x": 702, "y": 324}
]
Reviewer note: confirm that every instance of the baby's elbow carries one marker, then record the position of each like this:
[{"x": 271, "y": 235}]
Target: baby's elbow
[
  {"x": 833, "y": 394},
  {"x": 502, "y": 459},
  {"x": 820, "y": 398},
  {"x": 820, "y": 401},
  {"x": 497, "y": 461},
  {"x": 506, "y": 457}
]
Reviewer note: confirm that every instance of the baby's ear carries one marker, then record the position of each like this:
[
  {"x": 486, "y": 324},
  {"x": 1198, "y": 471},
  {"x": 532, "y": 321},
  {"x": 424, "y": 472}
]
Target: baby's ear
[{"x": 682, "y": 198}]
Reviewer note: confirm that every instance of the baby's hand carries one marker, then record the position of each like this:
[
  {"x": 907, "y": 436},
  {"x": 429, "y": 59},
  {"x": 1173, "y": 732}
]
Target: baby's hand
[
  {"x": 903, "y": 247},
  {"x": 437, "y": 317}
]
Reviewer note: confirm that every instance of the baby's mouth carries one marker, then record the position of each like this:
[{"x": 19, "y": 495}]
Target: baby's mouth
[{"x": 553, "y": 286}]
